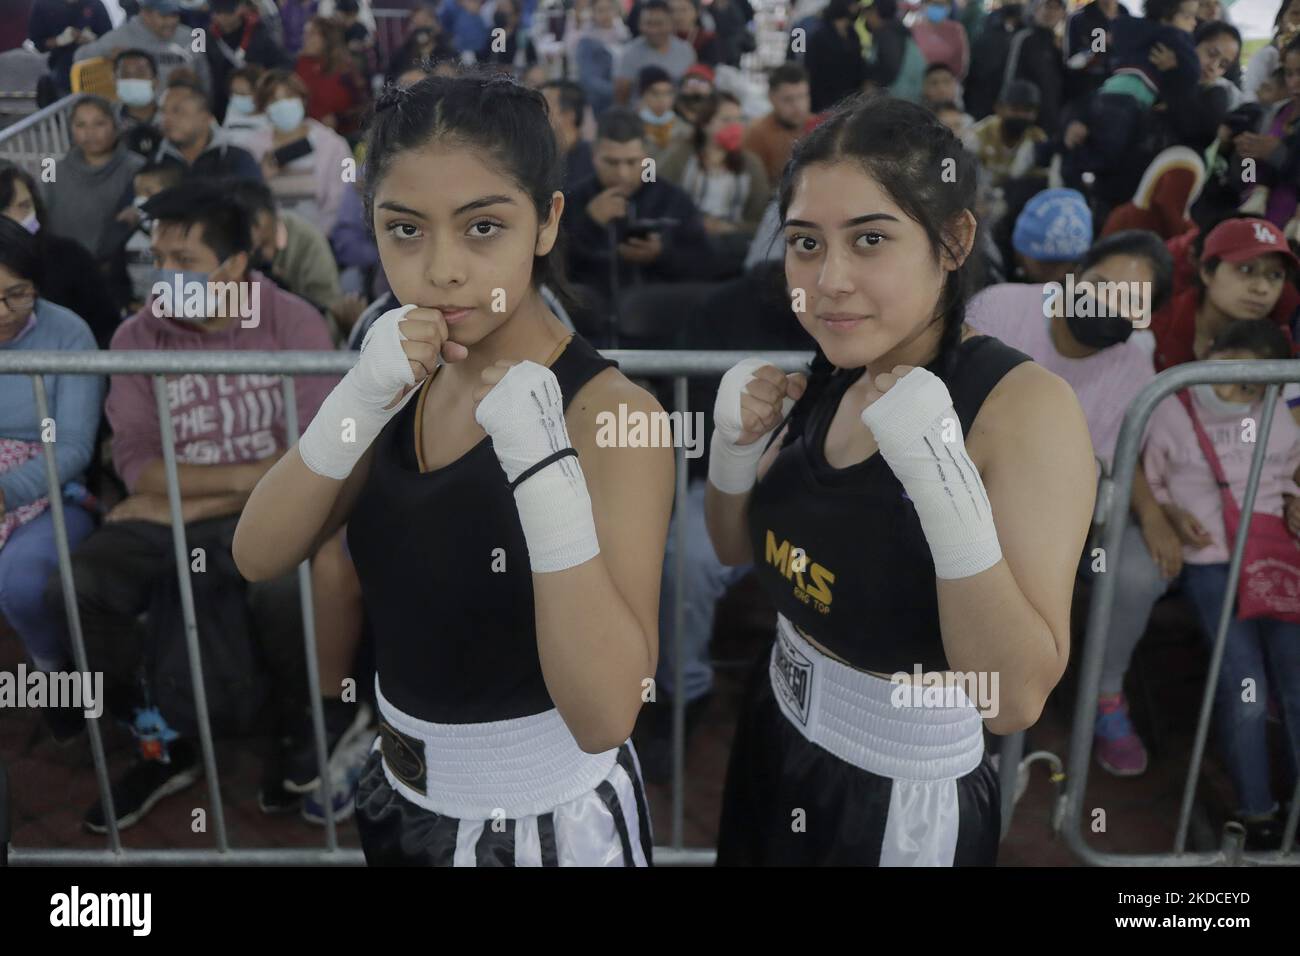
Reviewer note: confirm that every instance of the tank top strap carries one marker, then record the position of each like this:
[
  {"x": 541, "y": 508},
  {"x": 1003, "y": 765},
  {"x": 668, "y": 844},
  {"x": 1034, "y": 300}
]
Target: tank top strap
[
  {"x": 578, "y": 363},
  {"x": 981, "y": 363}
]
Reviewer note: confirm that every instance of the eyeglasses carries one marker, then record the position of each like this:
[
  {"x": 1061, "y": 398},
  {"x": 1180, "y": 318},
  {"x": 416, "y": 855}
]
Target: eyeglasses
[{"x": 19, "y": 301}]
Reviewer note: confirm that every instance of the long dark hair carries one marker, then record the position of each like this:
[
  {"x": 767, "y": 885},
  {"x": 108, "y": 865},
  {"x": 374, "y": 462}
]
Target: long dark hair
[
  {"x": 488, "y": 112},
  {"x": 923, "y": 168}
]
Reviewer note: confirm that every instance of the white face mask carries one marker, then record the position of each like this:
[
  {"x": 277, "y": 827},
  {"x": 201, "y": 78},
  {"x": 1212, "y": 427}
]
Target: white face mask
[
  {"x": 1209, "y": 400},
  {"x": 135, "y": 92},
  {"x": 242, "y": 104},
  {"x": 286, "y": 114}
]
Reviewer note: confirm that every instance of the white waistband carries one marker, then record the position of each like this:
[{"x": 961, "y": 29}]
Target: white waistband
[
  {"x": 885, "y": 728},
  {"x": 519, "y": 767}
]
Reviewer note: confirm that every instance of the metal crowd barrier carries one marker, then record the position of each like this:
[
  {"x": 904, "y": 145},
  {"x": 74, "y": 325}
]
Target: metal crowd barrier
[
  {"x": 1231, "y": 852},
  {"x": 680, "y": 365},
  {"x": 40, "y": 136}
]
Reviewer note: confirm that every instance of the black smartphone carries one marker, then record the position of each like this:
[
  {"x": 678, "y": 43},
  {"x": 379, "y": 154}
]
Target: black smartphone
[
  {"x": 642, "y": 228},
  {"x": 287, "y": 153}
]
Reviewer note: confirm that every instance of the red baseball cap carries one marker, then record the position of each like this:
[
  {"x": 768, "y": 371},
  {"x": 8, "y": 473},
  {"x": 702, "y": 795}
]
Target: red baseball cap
[
  {"x": 700, "y": 70},
  {"x": 1238, "y": 240}
]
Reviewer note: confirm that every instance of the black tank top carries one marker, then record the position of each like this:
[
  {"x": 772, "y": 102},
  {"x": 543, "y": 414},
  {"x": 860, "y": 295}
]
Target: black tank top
[
  {"x": 864, "y": 585},
  {"x": 452, "y": 617}
]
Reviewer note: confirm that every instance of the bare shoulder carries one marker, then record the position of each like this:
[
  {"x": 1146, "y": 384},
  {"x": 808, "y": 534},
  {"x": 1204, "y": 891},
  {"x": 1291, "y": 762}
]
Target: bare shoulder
[
  {"x": 604, "y": 393},
  {"x": 1028, "y": 406}
]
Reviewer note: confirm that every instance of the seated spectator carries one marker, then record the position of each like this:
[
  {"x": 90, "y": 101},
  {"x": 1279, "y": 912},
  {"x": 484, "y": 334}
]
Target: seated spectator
[
  {"x": 310, "y": 184},
  {"x": 137, "y": 111},
  {"x": 193, "y": 140},
  {"x": 1051, "y": 234},
  {"x": 771, "y": 138},
  {"x": 229, "y": 430},
  {"x": 357, "y": 37},
  {"x": 28, "y": 553},
  {"x": 1107, "y": 366},
  {"x": 242, "y": 115},
  {"x": 726, "y": 183},
  {"x": 73, "y": 281},
  {"x": 602, "y": 209},
  {"x": 335, "y": 96},
  {"x": 294, "y": 254},
  {"x": 685, "y": 15},
  {"x": 1275, "y": 149},
  {"x": 135, "y": 269},
  {"x": 940, "y": 86},
  {"x": 661, "y": 125},
  {"x": 60, "y": 29},
  {"x": 1263, "y": 652},
  {"x": 942, "y": 39},
  {"x": 294, "y": 17},
  {"x": 1243, "y": 268},
  {"x": 990, "y": 51},
  {"x": 835, "y": 65},
  {"x": 1035, "y": 56},
  {"x": 425, "y": 42},
  {"x": 656, "y": 46},
  {"x": 1091, "y": 62},
  {"x": 1005, "y": 143},
  {"x": 237, "y": 38},
  {"x": 156, "y": 29},
  {"x": 94, "y": 179},
  {"x": 465, "y": 27},
  {"x": 694, "y": 92},
  {"x": 896, "y": 62},
  {"x": 516, "y": 52},
  {"x": 1266, "y": 61},
  {"x": 353, "y": 242},
  {"x": 567, "y": 105},
  {"x": 596, "y": 47}
]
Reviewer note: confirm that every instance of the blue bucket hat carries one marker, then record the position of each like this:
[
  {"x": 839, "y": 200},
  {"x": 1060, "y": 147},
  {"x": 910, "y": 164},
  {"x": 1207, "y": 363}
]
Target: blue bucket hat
[{"x": 1054, "y": 226}]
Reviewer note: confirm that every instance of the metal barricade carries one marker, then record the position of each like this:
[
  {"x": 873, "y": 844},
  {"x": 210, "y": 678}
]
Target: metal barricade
[
  {"x": 680, "y": 365},
  {"x": 1273, "y": 373},
  {"x": 38, "y": 137}
]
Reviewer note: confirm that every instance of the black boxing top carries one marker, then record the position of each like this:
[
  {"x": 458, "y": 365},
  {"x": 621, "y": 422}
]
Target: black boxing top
[
  {"x": 864, "y": 586},
  {"x": 452, "y": 616}
]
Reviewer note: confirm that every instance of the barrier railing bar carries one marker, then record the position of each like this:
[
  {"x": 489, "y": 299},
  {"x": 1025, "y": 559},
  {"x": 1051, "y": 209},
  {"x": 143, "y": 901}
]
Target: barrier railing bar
[
  {"x": 286, "y": 856},
  {"x": 1225, "y": 616},
  {"x": 309, "y": 636},
  {"x": 680, "y": 403},
  {"x": 187, "y": 611},
  {"x": 1119, "y": 494},
  {"x": 64, "y": 553}
]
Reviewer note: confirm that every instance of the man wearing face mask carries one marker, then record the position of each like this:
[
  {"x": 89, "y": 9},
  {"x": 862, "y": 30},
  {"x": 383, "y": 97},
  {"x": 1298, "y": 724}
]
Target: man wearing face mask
[
  {"x": 137, "y": 91},
  {"x": 229, "y": 430},
  {"x": 61, "y": 27},
  {"x": 1005, "y": 142},
  {"x": 193, "y": 139},
  {"x": 237, "y": 37}
]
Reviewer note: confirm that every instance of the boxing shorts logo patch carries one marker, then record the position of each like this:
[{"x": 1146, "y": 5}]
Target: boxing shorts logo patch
[
  {"x": 404, "y": 755},
  {"x": 792, "y": 676}
]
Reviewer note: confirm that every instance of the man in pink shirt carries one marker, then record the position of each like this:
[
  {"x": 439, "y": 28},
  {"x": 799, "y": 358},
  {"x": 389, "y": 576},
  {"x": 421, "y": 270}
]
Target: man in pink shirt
[{"x": 229, "y": 430}]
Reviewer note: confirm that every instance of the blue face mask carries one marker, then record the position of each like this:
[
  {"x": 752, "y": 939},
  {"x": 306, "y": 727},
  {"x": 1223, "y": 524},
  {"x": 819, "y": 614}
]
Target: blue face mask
[
  {"x": 135, "y": 92},
  {"x": 167, "y": 303},
  {"x": 286, "y": 114},
  {"x": 936, "y": 14},
  {"x": 654, "y": 119},
  {"x": 242, "y": 104}
]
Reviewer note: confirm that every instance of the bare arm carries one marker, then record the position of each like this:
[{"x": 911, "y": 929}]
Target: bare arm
[
  {"x": 199, "y": 480},
  {"x": 1013, "y": 619},
  {"x": 290, "y": 513},
  {"x": 598, "y": 622}
]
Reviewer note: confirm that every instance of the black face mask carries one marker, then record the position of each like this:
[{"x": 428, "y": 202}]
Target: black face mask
[
  {"x": 1015, "y": 128},
  {"x": 1099, "y": 333}
]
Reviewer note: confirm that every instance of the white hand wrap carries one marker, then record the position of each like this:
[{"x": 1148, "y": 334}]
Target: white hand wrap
[
  {"x": 733, "y": 468},
  {"x": 524, "y": 414},
  {"x": 353, "y": 414},
  {"x": 908, "y": 423}
]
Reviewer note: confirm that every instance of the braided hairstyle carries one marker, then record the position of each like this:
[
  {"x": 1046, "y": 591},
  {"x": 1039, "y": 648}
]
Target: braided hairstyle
[
  {"x": 504, "y": 121},
  {"x": 904, "y": 148}
]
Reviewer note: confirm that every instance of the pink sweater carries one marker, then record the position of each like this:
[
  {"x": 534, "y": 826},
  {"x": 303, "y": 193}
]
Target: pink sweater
[
  {"x": 217, "y": 419},
  {"x": 943, "y": 43},
  {"x": 1178, "y": 472}
]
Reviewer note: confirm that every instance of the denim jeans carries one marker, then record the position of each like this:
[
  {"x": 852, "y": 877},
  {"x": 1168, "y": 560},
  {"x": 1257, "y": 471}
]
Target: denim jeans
[
  {"x": 706, "y": 580},
  {"x": 27, "y": 561},
  {"x": 1266, "y": 652}
]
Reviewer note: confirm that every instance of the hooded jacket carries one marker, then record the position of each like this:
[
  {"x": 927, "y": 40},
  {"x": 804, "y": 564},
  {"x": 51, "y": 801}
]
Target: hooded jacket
[{"x": 175, "y": 51}]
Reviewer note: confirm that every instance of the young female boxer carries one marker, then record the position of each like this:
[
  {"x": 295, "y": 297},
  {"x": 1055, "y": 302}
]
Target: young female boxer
[
  {"x": 509, "y": 566},
  {"x": 922, "y": 511}
]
